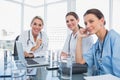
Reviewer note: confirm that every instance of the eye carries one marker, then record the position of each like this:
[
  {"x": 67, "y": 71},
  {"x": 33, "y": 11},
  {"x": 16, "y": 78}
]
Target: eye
[
  {"x": 37, "y": 24},
  {"x": 40, "y": 24},
  {"x": 34, "y": 23},
  {"x": 67, "y": 21},
  {"x": 91, "y": 21}
]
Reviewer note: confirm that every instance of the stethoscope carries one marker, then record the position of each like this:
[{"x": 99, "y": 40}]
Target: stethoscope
[
  {"x": 70, "y": 39},
  {"x": 29, "y": 41},
  {"x": 70, "y": 42},
  {"x": 98, "y": 55}
]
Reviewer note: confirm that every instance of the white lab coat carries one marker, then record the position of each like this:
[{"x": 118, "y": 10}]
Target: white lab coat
[
  {"x": 71, "y": 41},
  {"x": 28, "y": 44}
]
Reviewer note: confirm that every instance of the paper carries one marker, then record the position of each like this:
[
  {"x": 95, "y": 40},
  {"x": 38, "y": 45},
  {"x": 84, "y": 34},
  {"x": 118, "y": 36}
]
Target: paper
[
  {"x": 102, "y": 77},
  {"x": 31, "y": 71}
]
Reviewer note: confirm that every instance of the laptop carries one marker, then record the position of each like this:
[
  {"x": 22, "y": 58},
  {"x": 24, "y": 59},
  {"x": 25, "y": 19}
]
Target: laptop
[{"x": 30, "y": 62}]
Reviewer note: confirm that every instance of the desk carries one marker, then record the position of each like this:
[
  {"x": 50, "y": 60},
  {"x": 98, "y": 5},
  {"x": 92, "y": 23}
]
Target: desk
[{"x": 43, "y": 74}]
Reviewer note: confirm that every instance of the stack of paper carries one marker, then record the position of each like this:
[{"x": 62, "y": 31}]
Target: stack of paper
[{"x": 102, "y": 77}]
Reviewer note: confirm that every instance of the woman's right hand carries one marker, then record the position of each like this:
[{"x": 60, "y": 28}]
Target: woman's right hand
[{"x": 83, "y": 33}]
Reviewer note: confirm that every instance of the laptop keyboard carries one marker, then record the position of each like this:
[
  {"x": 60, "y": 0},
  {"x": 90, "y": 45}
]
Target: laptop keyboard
[{"x": 30, "y": 61}]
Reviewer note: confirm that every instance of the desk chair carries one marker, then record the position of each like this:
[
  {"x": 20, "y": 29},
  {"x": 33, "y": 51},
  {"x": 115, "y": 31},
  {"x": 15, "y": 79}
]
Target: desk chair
[{"x": 15, "y": 54}]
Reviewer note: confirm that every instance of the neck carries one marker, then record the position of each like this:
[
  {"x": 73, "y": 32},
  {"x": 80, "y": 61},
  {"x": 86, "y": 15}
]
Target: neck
[
  {"x": 35, "y": 37},
  {"x": 75, "y": 30},
  {"x": 101, "y": 34}
]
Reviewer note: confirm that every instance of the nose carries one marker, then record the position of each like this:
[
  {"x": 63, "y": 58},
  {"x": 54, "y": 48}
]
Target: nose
[
  {"x": 87, "y": 25},
  {"x": 68, "y": 23}
]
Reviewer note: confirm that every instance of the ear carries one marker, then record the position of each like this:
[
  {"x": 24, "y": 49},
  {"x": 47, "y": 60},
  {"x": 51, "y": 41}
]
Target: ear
[
  {"x": 42, "y": 27},
  {"x": 78, "y": 20},
  {"x": 102, "y": 20}
]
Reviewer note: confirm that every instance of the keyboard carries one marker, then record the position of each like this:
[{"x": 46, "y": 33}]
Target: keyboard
[{"x": 30, "y": 61}]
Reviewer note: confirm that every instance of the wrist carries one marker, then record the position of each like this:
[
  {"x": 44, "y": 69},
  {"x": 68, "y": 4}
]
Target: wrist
[{"x": 36, "y": 47}]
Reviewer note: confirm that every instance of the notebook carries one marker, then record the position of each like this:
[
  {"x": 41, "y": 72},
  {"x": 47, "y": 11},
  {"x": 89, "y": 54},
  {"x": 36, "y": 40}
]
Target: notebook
[{"x": 30, "y": 62}]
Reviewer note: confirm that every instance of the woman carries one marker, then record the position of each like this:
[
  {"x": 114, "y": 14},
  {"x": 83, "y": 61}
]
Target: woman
[
  {"x": 34, "y": 40},
  {"x": 72, "y": 21},
  {"x": 104, "y": 55}
]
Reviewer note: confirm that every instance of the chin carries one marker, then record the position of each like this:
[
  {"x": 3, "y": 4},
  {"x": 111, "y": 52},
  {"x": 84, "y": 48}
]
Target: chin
[
  {"x": 35, "y": 33},
  {"x": 91, "y": 33}
]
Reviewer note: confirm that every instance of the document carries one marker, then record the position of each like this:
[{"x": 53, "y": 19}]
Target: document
[
  {"x": 102, "y": 77},
  {"x": 31, "y": 71}
]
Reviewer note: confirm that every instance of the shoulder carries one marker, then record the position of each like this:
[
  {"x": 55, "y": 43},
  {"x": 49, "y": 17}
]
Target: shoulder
[
  {"x": 69, "y": 35},
  {"x": 88, "y": 39},
  {"x": 43, "y": 33},
  {"x": 113, "y": 34},
  {"x": 25, "y": 32}
]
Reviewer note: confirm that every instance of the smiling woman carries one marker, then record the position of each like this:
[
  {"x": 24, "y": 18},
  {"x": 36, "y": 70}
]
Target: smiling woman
[
  {"x": 34, "y": 40},
  {"x": 102, "y": 57}
]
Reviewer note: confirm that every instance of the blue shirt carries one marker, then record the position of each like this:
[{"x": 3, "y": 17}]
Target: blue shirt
[{"x": 109, "y": 63}]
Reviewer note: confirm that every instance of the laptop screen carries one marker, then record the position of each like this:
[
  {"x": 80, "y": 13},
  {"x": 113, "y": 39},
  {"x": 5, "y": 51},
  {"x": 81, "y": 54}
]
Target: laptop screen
[{"x": 20, "y": 51}]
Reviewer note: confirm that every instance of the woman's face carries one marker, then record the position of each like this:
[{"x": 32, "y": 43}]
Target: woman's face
[
  {"x": 37, "y": 26},
  {"x": 71, "y": 22},
  {"x": 92, "y": 23}
]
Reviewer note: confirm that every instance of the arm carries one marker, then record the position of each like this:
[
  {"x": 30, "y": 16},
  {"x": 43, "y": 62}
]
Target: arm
[
  {"x": 30, "y": 55},
  {"x": 79, "y": 56},
  {"x": 23, "y": 39},
  {"x": 38, "y": 43},
  {"x": 41, "y": 44},
  {"x": 65, "y": 51},
  {"x": 116, "y": 56},
  {"x": 44, "y": 45},
  {"x": 79, "y": 51}
]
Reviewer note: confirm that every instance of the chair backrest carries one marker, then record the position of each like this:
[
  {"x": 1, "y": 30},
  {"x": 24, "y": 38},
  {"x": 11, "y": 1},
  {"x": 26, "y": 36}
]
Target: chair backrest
[{"x": 15, "y": 49}]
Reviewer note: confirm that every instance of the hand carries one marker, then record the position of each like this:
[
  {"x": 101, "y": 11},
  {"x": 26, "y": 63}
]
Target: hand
[
  {"x": 30, "y": 55},
  {"x": 63, "y": 55},
  {"x": 38, "y": 42},
  {"x": 83, "y": 33},
  {"x": 26, "y": 54}
]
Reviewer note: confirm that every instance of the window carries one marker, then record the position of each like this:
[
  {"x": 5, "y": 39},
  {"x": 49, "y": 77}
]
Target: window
[
  {"x": 56, "y": 25},
  {"x": 30, "y": 13},
  {"x": 116, "y": 15}
]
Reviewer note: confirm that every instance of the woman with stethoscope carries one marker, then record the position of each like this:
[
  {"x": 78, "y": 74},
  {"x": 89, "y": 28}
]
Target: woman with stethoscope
[
  {"x": 34, "y": 40},
  {"x": 72, "y": 21},
  {"x": 104, "y": 55}
]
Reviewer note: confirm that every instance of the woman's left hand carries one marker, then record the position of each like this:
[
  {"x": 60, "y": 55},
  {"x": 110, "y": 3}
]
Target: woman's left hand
[{"x": 30, "y": 55}]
